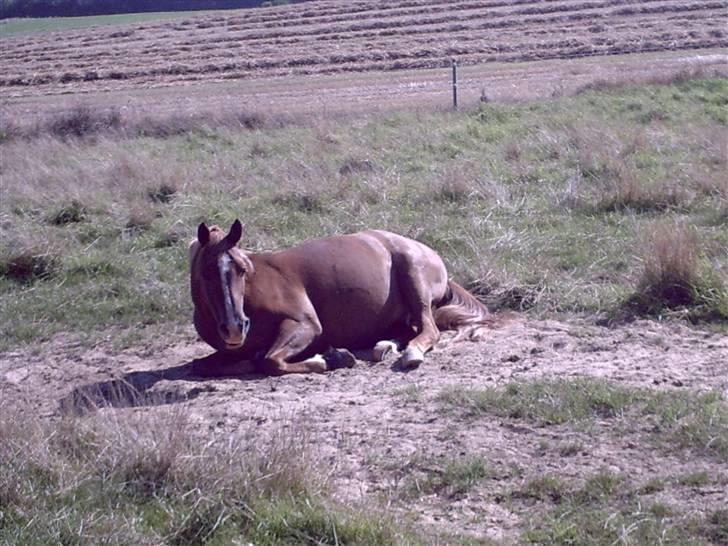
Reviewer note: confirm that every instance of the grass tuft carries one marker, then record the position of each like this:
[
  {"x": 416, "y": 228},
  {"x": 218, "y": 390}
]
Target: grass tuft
[
  {"x": 83, "y": 121},
  {"x": 29, "y": 266},
  {"x": 161, "y": 194},
  {"x": 673, "y": 276},
  {"x": 449, "y": 478},
  {"x": 72, "y": 213}
]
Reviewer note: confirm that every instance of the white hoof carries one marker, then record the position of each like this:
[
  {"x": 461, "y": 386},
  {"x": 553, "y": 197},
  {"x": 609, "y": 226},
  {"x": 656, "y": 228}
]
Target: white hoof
[
  {"x": 412, "y": 357},
  {"x": 383, "y": 349}
]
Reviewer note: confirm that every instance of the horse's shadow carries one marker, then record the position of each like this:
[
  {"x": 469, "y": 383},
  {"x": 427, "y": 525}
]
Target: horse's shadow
[{"x": 135, "y": 389}]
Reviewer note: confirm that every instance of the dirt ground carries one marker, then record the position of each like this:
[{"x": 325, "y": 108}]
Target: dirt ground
[
  {"x": 375, "y": 427},
  {"x": 323, "y": 96}
]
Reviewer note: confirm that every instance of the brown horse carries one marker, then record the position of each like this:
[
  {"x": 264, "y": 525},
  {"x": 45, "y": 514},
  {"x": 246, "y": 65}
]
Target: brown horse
[{"x": 372, "y": 290}]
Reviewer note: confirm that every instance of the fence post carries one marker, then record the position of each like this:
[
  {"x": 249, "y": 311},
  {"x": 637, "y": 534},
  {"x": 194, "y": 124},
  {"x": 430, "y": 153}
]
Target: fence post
[{"x": 454, "y": 84}]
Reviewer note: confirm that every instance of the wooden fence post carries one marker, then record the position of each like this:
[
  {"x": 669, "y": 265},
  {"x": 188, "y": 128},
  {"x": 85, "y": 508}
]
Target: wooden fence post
[{"x": 454, "y": 84}]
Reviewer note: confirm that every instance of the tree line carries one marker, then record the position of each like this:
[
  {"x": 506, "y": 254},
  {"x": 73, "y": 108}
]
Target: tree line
[{"x": 78, "y": 8}]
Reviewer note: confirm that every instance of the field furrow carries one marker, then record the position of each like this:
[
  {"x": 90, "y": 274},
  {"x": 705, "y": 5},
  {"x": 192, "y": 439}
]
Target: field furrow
[{"x": 327, "y": 37}]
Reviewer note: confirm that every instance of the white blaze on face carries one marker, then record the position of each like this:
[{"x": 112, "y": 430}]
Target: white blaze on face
[{"x": 224, "y": 266}]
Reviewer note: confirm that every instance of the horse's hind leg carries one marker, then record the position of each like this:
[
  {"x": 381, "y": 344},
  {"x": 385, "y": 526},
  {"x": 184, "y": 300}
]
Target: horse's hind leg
[{"x": 417, "y": 292}]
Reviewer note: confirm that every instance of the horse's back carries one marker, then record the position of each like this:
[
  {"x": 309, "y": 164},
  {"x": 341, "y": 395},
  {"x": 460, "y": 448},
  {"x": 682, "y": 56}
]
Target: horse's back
[{"x": 355, "y": 281}]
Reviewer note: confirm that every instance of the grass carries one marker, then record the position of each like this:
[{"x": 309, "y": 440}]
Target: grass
[
  {"x": 606, "y": 508},
  {"x": 29, "y": 25},
  {"x": 450, "y": 478},
  {"x": 98, "y": 207},
  {"x": 683, "y": 421},
  {"x": 127, "y": 478},
  {"x": 676, "y": 277},
  {"x": 548, "y": 402}
]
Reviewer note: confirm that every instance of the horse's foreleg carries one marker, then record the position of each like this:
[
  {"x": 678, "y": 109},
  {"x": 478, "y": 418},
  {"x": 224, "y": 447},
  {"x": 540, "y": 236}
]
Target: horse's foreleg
[{"x": 293, "y": 338}]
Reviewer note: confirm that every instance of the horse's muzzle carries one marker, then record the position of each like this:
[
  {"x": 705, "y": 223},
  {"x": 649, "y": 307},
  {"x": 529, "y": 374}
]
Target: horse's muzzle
[{"x": 233, "y": 338}]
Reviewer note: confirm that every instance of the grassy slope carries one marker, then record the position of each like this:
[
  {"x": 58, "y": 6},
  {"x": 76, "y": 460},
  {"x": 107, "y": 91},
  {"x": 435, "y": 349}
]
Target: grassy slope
[{"x": 545, "y": 206}]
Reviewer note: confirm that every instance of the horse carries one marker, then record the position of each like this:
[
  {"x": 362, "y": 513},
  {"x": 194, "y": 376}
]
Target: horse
[{"x": 307, "y": 308}]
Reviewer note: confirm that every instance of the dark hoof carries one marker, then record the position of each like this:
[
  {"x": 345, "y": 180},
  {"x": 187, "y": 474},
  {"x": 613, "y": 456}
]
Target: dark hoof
[{"x": 339, "y": 358}]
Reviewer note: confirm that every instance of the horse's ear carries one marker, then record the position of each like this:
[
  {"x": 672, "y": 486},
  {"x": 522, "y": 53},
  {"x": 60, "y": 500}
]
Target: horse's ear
[
  {"x": 203, "y": 234},
  {"x": 236, "y": 232}
]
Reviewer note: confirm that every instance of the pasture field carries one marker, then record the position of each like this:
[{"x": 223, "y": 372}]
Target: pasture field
[
  {"x": 573, "y": 211},
  {"x": 587, "y": 198}
]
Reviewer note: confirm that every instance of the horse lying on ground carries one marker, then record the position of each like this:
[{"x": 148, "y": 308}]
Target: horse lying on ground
[{"x": 303, "y": 309}]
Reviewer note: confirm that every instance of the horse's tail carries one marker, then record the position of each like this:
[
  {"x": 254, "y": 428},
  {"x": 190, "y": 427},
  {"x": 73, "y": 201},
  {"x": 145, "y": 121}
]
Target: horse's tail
[{"x": 459, "y": 310}]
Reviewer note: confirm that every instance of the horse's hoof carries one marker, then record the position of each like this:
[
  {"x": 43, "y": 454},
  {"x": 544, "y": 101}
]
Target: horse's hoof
[
  {"x": 384, "y": 349},
  {"x": 339, "y": 358},
  {"x": 412, "y": 357}
]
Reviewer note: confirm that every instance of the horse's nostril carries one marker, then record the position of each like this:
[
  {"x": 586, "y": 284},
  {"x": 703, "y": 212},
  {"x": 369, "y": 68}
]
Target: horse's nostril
[{"x": 224, "y": 330}]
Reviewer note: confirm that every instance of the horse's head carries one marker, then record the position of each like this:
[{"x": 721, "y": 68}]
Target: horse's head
[{"x": 219, "y": 270}]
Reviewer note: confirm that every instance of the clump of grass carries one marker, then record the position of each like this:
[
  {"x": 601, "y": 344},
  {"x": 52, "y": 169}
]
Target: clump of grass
[
  {"x": 599, "y": 487},
  {"x": 695, "y": 479},
  {"x": 28, "y": 266},
  {"x": 70, "y": 213},
  {"x": 306, "y": 202},
  {"x": 673, "y": 276},
  {"x": 162, "y": 193},
  {"x": 139, "y": 220},
  {"x": 354, "y": 165},
  {"x": 82, "y": 121},
  {"x": 450, "y": 478},
  {"x": 717, "y": 526},
  {"x": 411, "y": 394},
  {"x": 543, "y": 488}
]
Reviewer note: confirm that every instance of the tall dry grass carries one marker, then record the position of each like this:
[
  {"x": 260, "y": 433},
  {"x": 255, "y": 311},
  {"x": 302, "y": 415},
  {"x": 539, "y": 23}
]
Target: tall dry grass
[
  {"x": 126, "y": 477},
  {"x": 676, "y": 276}
]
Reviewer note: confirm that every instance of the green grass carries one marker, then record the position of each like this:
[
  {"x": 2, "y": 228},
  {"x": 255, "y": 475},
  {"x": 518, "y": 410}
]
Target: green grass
[
  {"x": 607, "y": 509},
  {"x": 9, "y": 27},
  {"x": 98, "y": 209},
  {"x": 548, "y": 402},
  {"x": 449, "y": 478},
  {"x": 683, "y": 420}
]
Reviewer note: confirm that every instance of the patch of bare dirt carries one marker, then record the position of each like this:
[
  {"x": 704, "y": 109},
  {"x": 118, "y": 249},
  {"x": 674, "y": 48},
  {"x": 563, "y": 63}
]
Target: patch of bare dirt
[{"x": 376, "y": 427}]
